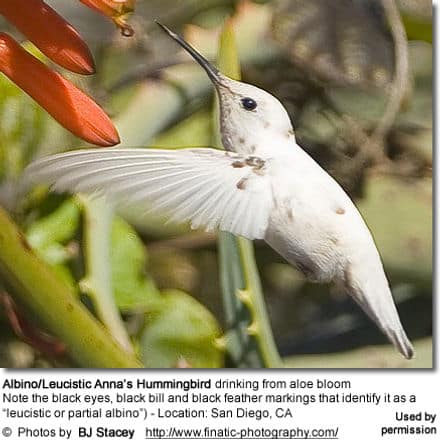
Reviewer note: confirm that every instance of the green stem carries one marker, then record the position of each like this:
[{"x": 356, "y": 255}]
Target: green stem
[
  {"x": 97, "y": 283},
  {"x": 260, "y": 327},
  {"x": 241, "y": 346},
  {"x": 34, "y": 285}
]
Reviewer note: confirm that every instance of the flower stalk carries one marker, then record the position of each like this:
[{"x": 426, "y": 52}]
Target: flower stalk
[{"x": 116, "y": 10}]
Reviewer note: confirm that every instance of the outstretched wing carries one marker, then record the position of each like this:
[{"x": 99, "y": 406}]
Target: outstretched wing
[{"x": 206, "y": 187}]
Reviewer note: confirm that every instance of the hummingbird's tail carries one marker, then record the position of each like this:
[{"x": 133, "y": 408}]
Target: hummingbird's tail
[{"x": 376, "y": 300}]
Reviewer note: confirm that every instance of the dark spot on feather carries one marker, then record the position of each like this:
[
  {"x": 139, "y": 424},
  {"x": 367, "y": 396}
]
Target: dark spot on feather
[
  {"x": 255, "y": 162},
  {"x": 238, "y": 164},
  {"x": 340, "y": 211},
  {"x": 290, "y": 214},
  {"x": 241, "y": 140},
  {"x": 241, "y": 184}
]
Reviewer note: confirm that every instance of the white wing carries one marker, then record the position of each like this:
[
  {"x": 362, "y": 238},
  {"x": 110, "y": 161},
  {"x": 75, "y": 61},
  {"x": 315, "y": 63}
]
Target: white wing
[{"x": 209, "y": 188}]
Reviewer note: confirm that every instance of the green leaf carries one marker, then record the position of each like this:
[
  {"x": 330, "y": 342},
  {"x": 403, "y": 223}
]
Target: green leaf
[
  {"x": 227, "y": 59},
  {"x": 180, "y": 328},
  {"x": 57, "y": 227},
  {"x": 133, "y": 288},
  {"x": 177, "y": 325},
  {"x": 49, "y": 235}
]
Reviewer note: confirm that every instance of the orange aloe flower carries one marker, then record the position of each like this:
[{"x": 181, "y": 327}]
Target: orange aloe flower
[
  {"x": 57, "y": 39},
  {"x": 117, "y": 10},
  {"x": 71, "y": 107},
  {"x": 54, "y": 36}
]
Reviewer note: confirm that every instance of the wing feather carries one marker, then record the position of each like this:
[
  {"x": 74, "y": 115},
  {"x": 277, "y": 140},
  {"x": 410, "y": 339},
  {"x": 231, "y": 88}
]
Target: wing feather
[{"x": 201, "y": 186}]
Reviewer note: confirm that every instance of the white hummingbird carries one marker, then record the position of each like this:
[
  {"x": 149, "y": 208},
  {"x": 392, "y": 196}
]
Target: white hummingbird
[{"x": 264, "y": 186}]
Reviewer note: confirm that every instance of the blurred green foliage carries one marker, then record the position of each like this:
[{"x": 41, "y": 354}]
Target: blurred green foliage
[
  {"x": 180, "y": 329},
  {"x": 134, "y": 288},
  {"x": 22, "y": 126}
]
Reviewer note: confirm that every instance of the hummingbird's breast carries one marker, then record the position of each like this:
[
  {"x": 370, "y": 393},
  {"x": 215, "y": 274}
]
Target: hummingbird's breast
[
  {"x": 313, "y": 220},
  {"x": 310, "y": 245}
]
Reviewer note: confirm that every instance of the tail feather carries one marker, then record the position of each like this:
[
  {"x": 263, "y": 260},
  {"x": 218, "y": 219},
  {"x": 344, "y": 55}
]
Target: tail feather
[
  {"x": 401, "y": 342},
  {"x": 375, "y": 298},
  {"x": 382, "y": 310}
]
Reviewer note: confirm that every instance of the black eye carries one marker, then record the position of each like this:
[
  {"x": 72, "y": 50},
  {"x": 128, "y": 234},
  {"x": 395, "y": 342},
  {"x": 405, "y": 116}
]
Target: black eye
[{"x": 249, "y": 103}]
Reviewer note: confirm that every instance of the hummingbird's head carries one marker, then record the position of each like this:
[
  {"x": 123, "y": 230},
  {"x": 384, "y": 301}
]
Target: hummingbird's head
[{"x": 248, "y": 115}]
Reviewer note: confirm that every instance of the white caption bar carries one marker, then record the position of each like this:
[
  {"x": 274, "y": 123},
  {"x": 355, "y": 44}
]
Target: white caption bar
[{"x": 214, "y": 405}]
